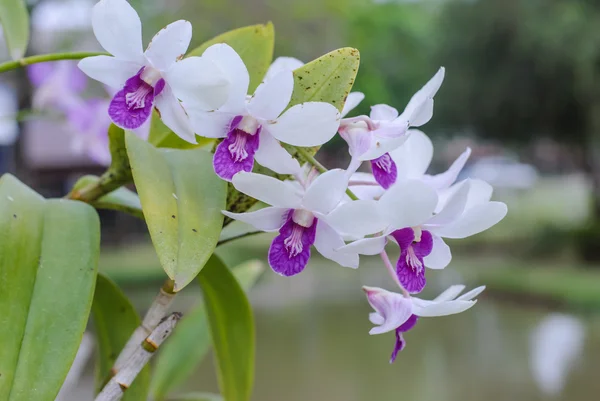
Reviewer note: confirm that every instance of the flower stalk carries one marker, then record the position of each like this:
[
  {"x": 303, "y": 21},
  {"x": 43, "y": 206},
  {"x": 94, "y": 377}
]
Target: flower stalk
[{"x": 42, "y": 58}]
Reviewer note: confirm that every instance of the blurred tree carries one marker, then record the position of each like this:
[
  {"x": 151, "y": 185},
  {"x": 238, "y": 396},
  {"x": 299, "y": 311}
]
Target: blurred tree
[{"x": 524, "y": 69}]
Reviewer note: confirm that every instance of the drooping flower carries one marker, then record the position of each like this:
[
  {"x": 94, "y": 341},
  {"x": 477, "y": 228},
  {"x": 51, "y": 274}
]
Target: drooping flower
[
  {"x": 300, "y": 213},
  {"x": 154, "y": 77},
  {"x": 372, "y": 138},
  {"x": 408, "y": 208},
  {"x": 253, "y": 125},
  {"x": 400, "y": 313},
  {"x": 409, "y": 162}
]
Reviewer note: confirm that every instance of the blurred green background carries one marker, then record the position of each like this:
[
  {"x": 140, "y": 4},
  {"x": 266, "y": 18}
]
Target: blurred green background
[{"x": 522, "y": 89}]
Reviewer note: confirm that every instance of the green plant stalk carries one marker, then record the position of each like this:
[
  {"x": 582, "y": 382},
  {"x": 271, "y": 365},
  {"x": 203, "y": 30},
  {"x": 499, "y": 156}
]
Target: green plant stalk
[
  {"x": 42, "y": 58},
  {"x": 322, "y": 169}
]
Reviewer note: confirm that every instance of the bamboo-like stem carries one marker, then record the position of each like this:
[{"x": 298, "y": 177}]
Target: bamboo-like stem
[
  {"x": 42, "y": 58},
  {"x": 153, "y": 317},
  {"x": 322, "y": 169},
  {"x": 115, "y": 388}
]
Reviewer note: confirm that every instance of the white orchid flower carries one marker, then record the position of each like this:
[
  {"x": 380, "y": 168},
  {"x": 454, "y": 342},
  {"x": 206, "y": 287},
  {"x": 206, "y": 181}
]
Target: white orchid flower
[
  {"x": 154, "y": 77},
  {"x": 398, "y": 312},
  {"x": 300, "y": 214}
]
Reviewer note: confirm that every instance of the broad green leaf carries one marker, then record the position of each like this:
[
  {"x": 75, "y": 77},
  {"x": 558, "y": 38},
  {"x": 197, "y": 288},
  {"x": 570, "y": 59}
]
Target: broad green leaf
[
  {"x": 197, "y": 397},
  {"x": 253, "y": 43},
  {"x": 121, "y": 199},
  {"x": 161, "y": 136},
  {"x": 115, "y": 319},
  {"x": 48, "y": 262},
  {"x": 232, "y": 329},
  {"x": 326, "y": 79},
  {"x": 15, "y": 23},
  {"x": 182, "y": 199},
  {"x": 190, "y": 341}
]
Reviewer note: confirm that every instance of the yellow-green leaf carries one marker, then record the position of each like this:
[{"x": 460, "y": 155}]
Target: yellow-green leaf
[
  {"x": 190, "y": 341},
  {"x": 121, "y": 199},
  {"x": 15, "y": 23},
  {"x": 253, "y": 43},
  {"x": 182, "y": 199},
  {"x": 232, "y": 329},
  {"x": 161, "y": 136},
  {"x": 114, "y": 320},
  {"x": 48, "y": 262},
  {"x": 326, "y": 79},
  {"x": 197, "y": 397}
]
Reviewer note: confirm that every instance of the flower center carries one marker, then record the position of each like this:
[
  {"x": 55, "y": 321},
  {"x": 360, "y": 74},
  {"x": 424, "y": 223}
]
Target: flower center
[
  {"x": 238, "y": 148},
  {"x": 302, "y": 220},
  {"x": 384, "y": 163},
  {"x": 413, "y": 261},
  {"x": 137, "y": 99},
  {"x": 249, "y": 125},
  {"x": 150, "y": 76}
]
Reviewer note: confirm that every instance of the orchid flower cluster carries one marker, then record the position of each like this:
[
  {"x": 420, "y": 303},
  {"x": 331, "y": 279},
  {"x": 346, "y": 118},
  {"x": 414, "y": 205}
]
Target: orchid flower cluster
[{"x": 343, "y": 213}]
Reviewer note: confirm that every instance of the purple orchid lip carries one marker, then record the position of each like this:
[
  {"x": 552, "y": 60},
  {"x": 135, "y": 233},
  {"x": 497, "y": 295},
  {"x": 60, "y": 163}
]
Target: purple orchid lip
[
  {"x": 384, "y": 170},
  {"x": 236, "y": 152},
  {"x": 132, "y": 105},
  {"x": 290, "y": 250},
  {"x": 400, "y": 342},
  {"x": 411, "y": 267}
]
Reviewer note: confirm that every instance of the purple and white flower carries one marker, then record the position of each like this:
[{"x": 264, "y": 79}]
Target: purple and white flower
[
  {"x": 408, "y": 209},
  {"x": 252, "y": 126},
  {"x": 372, "y": 138},
  {"x": 410, "y": 162},
  {"x": 57, "y": 85},
  {"x": 400, "y": 313},
  {"x": 154, "y": 77},
  {"x": 300, "y": 213}
]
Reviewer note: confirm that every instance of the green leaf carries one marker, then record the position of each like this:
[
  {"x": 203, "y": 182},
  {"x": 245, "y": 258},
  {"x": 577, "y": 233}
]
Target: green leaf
[
  {"x": 253, "y": 43},
  {"x": 190, "y": 341},
  {"x": 115, "y": 320},
  {"x": 48, "y": 261},
  {"x": 182, "y": 199},
  {"x": 326, "y": 79},
  {"x": 197, "y": 397},
  {"x": 15, "y": 22},
  {"x": 161, "y": 136},
  {"x": 121, "y": 199},
  {"x": 232, "y": 330}
]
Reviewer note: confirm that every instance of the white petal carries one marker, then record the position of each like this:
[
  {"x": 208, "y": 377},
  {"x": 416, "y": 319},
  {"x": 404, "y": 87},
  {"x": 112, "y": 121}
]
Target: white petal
[
  {"x": 366, "y": 246},
  {"x": 442, "y": 308},
  {"x": 367, "y": 191},
  {"x": 447, "y": 178},
  {"x": 440, "y": 255},
  {"x": 209, "y": 124},
  {"x": 383, "y": 112},
  {"x": 327, "y": 240},
  {"x": 109, "y": 70},
  {"x": 236, "y": 72},
  {"x": 352, "y": 100},
  {"x": 306, "y": 124},
  {"x": 272, "y": 96},
  {"x": 386, "y": 143},
  {"x": 267, "y": 219},
  {"x": 393, "y": 307},
  {"x": 473, "y": 221},
  {"x": 413, "y": 158},
  {"x": 376, "y": 318},
  {"x": 450, "y": 293},
  {"x": 408, "y": 203},
  {"x": 118, "y": 29},
  {"x": 420, "y": 107},
  {"x": 481, "y": 192},
  {"x": 199, "y": 83},
  {"x": 169, "y": 44},
  {"x": 454, "y": 206},
  {"x": 267, "y": 189},
  {"x": 272, "y": 155},
  {"x": 471, "y": 294},
  {"x": 173, "y": 115},
  {"x": 357, "y": 218},
  {"x": 282, "y": 64},
  {"x": 326, "y": 191}
]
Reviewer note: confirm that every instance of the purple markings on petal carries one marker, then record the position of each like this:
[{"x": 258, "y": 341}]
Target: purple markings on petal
[
  {"x": 400, "y": 342},
  {"x": 384, "y": 170},
  {"x": 132, "y": 105},
  {"x": 410, "y": 267},
  {"x": 290, "y": 250},
  {"x": 398, "y": 346},
  {"x": 235, "y": 153}
]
